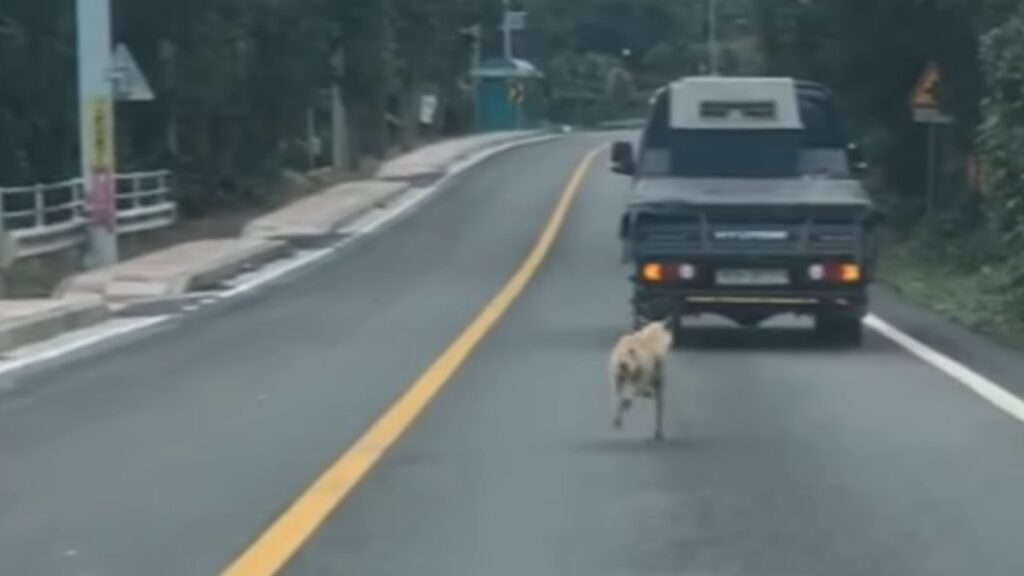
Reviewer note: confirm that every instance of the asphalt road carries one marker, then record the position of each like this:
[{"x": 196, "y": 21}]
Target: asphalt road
[{"x": 169, "y": 455}]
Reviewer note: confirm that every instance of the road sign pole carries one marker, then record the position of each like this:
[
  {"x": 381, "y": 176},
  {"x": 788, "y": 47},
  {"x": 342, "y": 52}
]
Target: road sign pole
[
  {"x": 713, "y": 37},
  {"x": 930, "y": 207},
  {"x": 339, "y": 131},
  {"x": 507, "y": 30},
  {"x": 96, "y": 119},
  {"x": 925, "y": 102}
]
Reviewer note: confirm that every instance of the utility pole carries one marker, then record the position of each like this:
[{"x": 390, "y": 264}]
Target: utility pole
[
  {"x": 507, "y": 29},
  {"x": 713, "y": 37},
  {"x": 340, "y": 155},
  {"x": 96, "y": 119},
  {"x": 475, "y": 33}
]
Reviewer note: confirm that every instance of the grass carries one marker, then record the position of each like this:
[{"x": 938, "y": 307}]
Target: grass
[{"x": 978, "y": 296}]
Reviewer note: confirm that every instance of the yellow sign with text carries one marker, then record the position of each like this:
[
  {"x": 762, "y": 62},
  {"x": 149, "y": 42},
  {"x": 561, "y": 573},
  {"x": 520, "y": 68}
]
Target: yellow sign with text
[{"x": 101, "y": 135}]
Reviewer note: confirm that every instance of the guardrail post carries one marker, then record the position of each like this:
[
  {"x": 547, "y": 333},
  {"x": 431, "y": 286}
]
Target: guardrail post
[
  {"x": 39, "y": 202},
  {"x": 136, "y": 188}
]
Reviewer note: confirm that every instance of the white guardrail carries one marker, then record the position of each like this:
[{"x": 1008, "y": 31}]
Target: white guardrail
[{"x": 48, "y": 218}]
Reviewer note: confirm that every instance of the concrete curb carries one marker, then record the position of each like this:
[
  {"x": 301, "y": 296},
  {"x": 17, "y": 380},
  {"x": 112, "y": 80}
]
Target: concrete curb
[
  {"x": 66, "y": 315},
  {"x": 320, "y": 216},
  {"x": 432, "y": 162},
  {"x": 253, "y": 258},
  {"x": 174, "y": 271}
]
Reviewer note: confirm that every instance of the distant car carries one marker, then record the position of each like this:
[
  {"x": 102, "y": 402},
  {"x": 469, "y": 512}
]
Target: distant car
[{"x": 746, "y": 202}]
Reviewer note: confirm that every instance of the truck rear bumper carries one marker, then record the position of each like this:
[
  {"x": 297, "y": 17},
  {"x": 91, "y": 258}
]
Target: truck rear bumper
[{"x": 661, "y": 302}]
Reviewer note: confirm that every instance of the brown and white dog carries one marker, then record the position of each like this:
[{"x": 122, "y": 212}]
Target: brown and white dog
[{"x": 637, "y": 370}]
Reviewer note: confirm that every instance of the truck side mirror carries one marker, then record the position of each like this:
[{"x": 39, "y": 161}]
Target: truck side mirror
[{"x": 623, "y": 161}]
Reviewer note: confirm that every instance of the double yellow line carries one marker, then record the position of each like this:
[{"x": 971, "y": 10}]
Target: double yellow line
[{"x": 269, "y": 553}]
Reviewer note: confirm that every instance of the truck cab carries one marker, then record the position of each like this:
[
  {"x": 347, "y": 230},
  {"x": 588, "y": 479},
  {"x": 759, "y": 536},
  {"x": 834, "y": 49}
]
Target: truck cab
[{"x": 746, "y": 202}]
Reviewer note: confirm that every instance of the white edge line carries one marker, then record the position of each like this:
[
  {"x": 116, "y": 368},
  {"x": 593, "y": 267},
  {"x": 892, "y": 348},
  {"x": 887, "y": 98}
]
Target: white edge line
[
  {"x": 80, "y": 343},
  {"x": 373, "y": 222},
  {"x": 987, "y": 389},
  {"x": 276, "y": 273}
]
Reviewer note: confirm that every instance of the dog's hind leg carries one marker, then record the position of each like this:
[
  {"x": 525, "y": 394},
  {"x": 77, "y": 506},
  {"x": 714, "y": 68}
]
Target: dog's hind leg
[
  {"x": 659, "y": 402},
  {"x": 659, "y": 414},
  {"x": 620, "y": 410}
]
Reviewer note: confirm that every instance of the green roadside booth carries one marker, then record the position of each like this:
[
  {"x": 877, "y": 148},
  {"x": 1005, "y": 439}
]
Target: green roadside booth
[{"x": 509, "y": 95}]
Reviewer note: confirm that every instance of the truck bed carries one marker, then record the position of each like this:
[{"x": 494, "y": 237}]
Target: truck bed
[{"x": 752, "y": 194}]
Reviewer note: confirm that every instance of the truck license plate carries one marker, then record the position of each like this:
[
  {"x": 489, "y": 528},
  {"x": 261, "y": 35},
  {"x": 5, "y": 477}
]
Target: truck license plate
[{"x": 752, "y": 277}]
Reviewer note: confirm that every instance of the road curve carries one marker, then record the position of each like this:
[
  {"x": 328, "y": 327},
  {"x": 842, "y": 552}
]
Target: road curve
[{"x": 170, "y": 455}]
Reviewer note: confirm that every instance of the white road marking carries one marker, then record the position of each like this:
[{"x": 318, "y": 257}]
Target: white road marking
[
  {"x": 190, "y": 308},
  {"x": 274, "y": 272},
  {"x": 987, "y": 389},
  {"x": 74, "y": 341},
  {"x": 374, "y": 220}
]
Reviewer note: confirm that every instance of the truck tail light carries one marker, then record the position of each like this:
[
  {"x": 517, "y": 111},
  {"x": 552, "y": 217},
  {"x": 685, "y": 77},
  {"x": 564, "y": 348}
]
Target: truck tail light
[
  {"x": 659, "y": 272},
  {"x": 849, "y": 273},
  {"x": 654, "y": 272},
  {"x": 816, "y": 272},
  {"x": 836, "y": 273},
  {"x": 687, "y": 271}
]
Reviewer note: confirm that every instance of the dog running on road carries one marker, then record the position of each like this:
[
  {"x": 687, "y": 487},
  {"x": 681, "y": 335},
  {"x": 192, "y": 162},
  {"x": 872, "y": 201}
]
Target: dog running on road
[{"x": 637, "y": 370}]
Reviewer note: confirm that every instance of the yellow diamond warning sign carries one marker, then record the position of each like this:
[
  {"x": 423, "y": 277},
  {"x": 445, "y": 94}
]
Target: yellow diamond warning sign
[{"x": 926, "y": 92}]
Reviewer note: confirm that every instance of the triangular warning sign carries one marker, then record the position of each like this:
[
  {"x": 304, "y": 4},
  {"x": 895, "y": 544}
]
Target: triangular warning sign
[
  {"x": 926, "y": 92},
  {"x": 130, "y": 83}
]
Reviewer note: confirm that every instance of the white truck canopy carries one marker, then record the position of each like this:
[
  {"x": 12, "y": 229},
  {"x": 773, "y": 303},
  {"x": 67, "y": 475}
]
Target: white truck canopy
[{"x": 751, "y": 103}]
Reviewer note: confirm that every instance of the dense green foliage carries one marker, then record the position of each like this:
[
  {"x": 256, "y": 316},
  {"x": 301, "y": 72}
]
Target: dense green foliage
[
  {"x": 1002, "y": 137},
  {"x": 872, "y": 52},
  {"x": 235, "y": 79}
]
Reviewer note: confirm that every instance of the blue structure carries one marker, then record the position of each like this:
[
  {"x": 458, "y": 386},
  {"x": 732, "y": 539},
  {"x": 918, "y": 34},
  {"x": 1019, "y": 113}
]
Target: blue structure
[{"x": 508, "y": 95}]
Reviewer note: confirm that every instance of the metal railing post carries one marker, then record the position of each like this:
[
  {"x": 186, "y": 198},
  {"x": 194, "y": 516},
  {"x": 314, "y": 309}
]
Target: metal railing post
[
  {"x": 136, "y": 182},
  {"x": 39, "y": 202},
  {"x": 41, "y": 228}
]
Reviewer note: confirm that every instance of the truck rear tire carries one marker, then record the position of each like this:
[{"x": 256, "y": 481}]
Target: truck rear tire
[
  {"x": 839, "y": 330},
  {"x": 679, "y": 335}
]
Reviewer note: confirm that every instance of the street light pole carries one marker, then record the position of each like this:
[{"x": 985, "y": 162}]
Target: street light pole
[
  {"x": 506, "y": 29},
  {"x": 713, "y": 36},
  {"x": 96, "y": 119}
]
